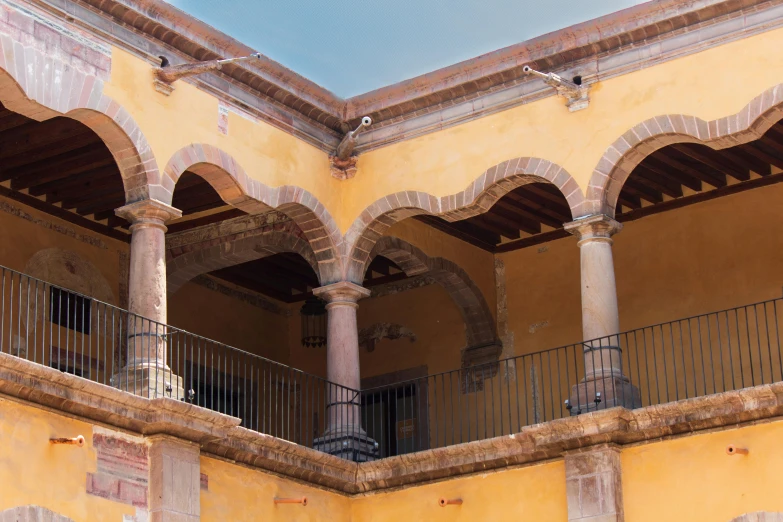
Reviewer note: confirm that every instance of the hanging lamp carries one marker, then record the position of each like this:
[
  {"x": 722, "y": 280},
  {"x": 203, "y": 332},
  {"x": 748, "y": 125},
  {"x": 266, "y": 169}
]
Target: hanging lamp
[{"x": 313, "y": 314}]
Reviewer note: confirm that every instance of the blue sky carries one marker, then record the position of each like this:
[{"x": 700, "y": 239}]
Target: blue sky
[{"x": 353, "y": 46}]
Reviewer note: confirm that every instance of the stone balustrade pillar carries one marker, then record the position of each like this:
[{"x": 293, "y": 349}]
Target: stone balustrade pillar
[
  {"x": 344, "y": 436},
  {"x": 594, "y": 485},
  {"x": 600, "y": 319},
  {"x": 145, "y": 372}
]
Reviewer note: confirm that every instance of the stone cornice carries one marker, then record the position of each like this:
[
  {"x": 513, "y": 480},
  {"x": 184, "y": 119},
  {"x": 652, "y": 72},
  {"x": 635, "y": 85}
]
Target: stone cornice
[
  {"x": 222, "y": 436},
  {"x": 599, "y": 49}
]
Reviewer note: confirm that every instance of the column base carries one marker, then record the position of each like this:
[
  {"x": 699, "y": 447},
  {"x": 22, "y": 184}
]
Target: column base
[
  {"x": 615, "y": 391},
  {"x": 352, "y": 445},
  {"x": 150, "y": 381}
]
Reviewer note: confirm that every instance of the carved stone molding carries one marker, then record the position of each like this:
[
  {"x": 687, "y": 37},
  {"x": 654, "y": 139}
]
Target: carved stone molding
[{"x": 342, "y": 169}]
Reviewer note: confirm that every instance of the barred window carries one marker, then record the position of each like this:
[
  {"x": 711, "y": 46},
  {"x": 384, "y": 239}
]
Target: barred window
[{"x": 70, "y": 310}]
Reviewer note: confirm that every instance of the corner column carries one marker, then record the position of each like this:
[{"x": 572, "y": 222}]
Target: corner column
[
  {"x": 344, "y": 436},
  {"x": 604, "y": 384},
  {"x": 145, "y": 372}
]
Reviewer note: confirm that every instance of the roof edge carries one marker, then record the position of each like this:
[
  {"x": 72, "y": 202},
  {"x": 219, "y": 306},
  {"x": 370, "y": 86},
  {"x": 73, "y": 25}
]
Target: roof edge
[{"x": 559, "y": 41}]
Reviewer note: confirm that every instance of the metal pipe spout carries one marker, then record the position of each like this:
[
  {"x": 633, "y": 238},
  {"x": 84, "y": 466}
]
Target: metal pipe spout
[
  {"x": 348, "y": 143},
  {"x": 170, "y": 73}
]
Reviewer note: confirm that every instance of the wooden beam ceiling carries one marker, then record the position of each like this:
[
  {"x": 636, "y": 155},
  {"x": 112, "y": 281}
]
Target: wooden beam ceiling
[
  {"x": 289, "y": 278},
  {"x": 62, "y": 167},
  {"x": 684, "y": 172}
]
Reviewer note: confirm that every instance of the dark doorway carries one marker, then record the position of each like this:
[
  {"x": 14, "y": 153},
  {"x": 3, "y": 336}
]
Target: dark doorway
[{"x": 394, "y": 414}]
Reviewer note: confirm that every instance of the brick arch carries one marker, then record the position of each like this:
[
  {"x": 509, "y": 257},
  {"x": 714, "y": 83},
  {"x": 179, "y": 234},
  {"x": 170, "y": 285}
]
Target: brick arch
[
  {"x": 231, "y": 181},
  {"x": 185, "y": 263},
  {"x": 759, "y": 516},
  {"x": 476, "y": 199},
  {"x": 32, "y": 513},
  {"x": 480, "y": 330},
  {"x": 28, "y": 87},
  {"x": 631, "y": 148}
]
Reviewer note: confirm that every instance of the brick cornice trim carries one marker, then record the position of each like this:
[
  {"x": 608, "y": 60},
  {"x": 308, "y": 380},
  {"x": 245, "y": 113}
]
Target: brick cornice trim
[
  {"x": 27, "y": 83},
  {"x": 619, "y": 160},
  {"x": 235, "y": 187},
  {"x": 597, "y": 49},
  {"x": 476, "y": 199}
]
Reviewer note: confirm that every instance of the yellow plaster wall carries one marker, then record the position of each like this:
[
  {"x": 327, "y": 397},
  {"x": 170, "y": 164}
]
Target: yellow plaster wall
[
  {"x": 704, "y": 257},
  {"x": 428, "y": 312},
  {"x": 32, "y": 471},
  {"x": 688, "y": 478},
  {"x": 25, "y": 231},
  {"x": 478, "y": 263},
  {"x": 534, "y": 493},
  {"x": 241, "y": 494},
  {"x": 446, "y": 162},
  {"x": 189, "y": 115},
  {"x": 431, "y": 314},
  {"x": 692, "y": 478},
  {"x": 216, "y": 316}
]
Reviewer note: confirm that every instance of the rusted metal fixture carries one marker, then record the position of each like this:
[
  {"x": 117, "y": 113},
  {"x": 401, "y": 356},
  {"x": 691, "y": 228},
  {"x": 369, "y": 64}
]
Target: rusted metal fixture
[
  {"x": 576, "y": 94},
  {"x": 346, "y": 146},
  {"x": 75, "y": 441},
  {"x": 731, "y": 449},
  {"x": 167, "y": 74},
  {"x": 343, "y": 163},
  {"x": 302, "y": 500},
  {"x": 443, "y": 502}
]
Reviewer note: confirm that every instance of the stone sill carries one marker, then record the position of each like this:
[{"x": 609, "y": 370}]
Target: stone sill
[{"x": 220, "y": 435}]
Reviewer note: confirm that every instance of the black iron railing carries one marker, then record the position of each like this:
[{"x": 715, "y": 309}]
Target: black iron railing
[
  {"x": 692, "y": 357},
  {"x": 83, "y": 336}
]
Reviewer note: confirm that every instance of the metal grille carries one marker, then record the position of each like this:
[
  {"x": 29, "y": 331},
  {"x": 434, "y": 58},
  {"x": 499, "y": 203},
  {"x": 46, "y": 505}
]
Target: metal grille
[
  {"x": 696, "y": 356},
  {"x": 701, "y": 355},
  {"x": 76, "y": 334}
]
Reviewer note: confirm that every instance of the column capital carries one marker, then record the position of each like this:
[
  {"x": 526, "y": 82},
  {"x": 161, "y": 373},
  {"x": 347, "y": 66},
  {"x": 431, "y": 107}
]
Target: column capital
[
  {"x": 596, "y": 227},
  {"x": 344, "y": 293},
  {"x": 148, "y": 212}
]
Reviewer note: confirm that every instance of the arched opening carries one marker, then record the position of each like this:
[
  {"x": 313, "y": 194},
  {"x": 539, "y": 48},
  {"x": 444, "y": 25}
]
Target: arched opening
[
  {"x": 431, "y": 318},
  {"x": 199, "y": 203},
  {"x": 68, "y": 252},
  {"x": 701, "y": 229},
  {"x": 61, "y": 167},
  {"x": 530, "y": 214},
  {"x": 685, "y": 173},
  {"x": 232, "y": 184}
]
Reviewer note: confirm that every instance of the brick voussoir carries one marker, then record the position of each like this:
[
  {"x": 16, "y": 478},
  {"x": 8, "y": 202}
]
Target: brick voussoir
[{"x": 646, "y": 137}]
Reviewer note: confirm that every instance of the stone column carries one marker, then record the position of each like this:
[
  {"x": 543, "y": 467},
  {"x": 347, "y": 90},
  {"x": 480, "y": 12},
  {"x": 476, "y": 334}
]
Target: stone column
[
  {"x": 145, "y": 372},
  {"x": 594, "y": 486},
  {"x": 600, "y": 319},
  {"x": 344, "y": 436},
  {"x": 175, "y": 480}
]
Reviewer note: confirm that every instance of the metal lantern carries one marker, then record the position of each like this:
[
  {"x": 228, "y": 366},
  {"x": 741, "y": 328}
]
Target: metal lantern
[{"x": 313, "y": 315}]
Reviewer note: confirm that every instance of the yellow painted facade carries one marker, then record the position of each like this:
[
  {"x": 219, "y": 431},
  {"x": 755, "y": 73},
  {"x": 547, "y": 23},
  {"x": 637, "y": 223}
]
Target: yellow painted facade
[
  {"x": 446, "y": 162},
  {"x": 242, "y": 494},
  {"x": 34, "y": 472},
  {"x": 712, "y": 255},
  {"x": 668, "y": 265},
  {"x": 190, "y": 116},
  {"x": 692, "y": 478},
  {"x": 535, "y": 493},
  {"x": 686, "y": 478}
]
